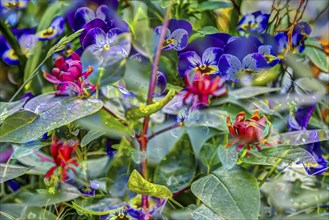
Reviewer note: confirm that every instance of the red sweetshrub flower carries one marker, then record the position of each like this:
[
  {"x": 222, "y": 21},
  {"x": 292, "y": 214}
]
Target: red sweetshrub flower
[
  {"x": 62, "y": 152},
  {"x": 69, "y": 77},
  {"x": 249, "y": 132},
  {"x": 202, "y": 88}
]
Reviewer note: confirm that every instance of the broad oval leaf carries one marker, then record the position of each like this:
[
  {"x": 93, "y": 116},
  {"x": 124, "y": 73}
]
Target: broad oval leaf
[
  {"x": 138, "y": 184},
  {"x": 16, "y": 121},
  {"x": 205, "y": 213},
  {"x": 177, "y": 168},
  {"x": 63, "y": 193},
  {"x": 228, "y": 156},
  {"x": 289, "y": 154},
  {"x": 9, "y": 108},
  {"x": 209, "y": 155},
  {"x": 233, "y": 194},
  {"x": 9, "y": 171},
  {"x": 21, "y": 150},
  {"x": 90, "y": 136},
  {"x": 62, "y": 113},
  {"x": 299, "y": 137},
  {"x": 22, "y": 211},
  {"x": 248, "y": 92},
  {"x": 44, "y": 102},
  {"x": 315, "y": 52}
]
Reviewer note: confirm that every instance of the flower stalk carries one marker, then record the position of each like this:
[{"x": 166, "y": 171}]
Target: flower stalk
[{"x": 143, "y": 140}]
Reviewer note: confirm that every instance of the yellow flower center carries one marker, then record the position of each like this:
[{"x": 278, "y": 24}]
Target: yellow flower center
[{"x": 106, "y": 47}]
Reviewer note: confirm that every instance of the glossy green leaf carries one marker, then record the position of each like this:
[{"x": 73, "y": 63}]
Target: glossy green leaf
[
  {"x": 205, "y": 213},
  {"x": 214, "y": 4},
  {"x": 177, "y": 168},
  {"x": 228, "y": 155},
  {"x": 142, "y": 111},
  {"x": 21, "y": 211},
  {"x": 63, "y": 193},
  {"x": 104, "y": 122},
  {"x": 97, "y": 167},
  {"x": 16, "y": 121},
  {"x": 288, "y": 154},
  {"x": 138, "y": 184},
  {"x": 233, "y": 194},
  {"x": 62, "y": 113},
  {"x": 9, "y": 108},
  {"x": 209, "y": 155},
  {"x": 314, "y": 51},
  {"x": 9, "y": 171},
  {"x": 90, "y": 136},
  {"x": 143, "y": 36},
  {"x": 21, "y": 150},
  {"x": 248, "y": 92},
  {"x": 118, "y": 172},
  {"x": 299, "y": 137}
]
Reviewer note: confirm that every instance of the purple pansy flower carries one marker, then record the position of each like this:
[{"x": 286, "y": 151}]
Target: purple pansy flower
[
  {"x": 55, "y": 29},
  {"x": 254, "y": 22},
  {"x": 280, "y": 41},
  {"x": 299, "y": 122},
  {"x": 9, "y": 8},
  {"x": 91, "y": 189},
  {"x": 84, "y": 15},
  {"x": 201, "y": 56},
  {"x": 245, "y": 55},
  {"x": 103, "y": 45},
  {"x": 89, "y": 4},
  {"x": 26, "y": 40},
  {"x": 176, "y": 35}
]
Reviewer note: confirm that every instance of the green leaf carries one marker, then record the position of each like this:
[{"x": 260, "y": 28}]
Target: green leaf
[
  {"x": 16, "y": 121},
  {"x": 233, "y": 194},
  {"x": 97, "y": 167},
  {"x": 104, "y": 122},
  {"x": 21, "y": 150},
  {"x": 207, "y": 30},
  {"x": 177, "y": 168},
  {"x": 228, "y": 156},
  {"x": 214, "y": 4},
  {"x": 9, "y": 171},
  {"x": 288, "y": 154},
  {"x": 90, "y": 136},
  {"x": 54, "y": 9},
  {"x": 138, "y": 184},
  {"x": 21, "y": 211},
  {"x": 142, "y": 111},
  {"x": 62, "y": 113},
  {"x": 209, "y": 155},
  {"x": 119, "y": 168},
  {"x": 204, "y": 213},
  {"x": 299, "y": 137},
  {"x": 143, "y": 35},
  {"x": 9, "y": 108},
  {"x": 248, "y": 92},
  {"x": 315, "y": 52},
  {"x": 42, "y": 198}
]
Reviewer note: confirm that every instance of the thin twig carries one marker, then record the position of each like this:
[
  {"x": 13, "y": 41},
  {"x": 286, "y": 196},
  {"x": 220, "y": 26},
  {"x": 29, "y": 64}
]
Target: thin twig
[
  {"x": 164, "y": 130},
  {"x": 142, "y": 137},
  {"x": 115, "y": 116}
]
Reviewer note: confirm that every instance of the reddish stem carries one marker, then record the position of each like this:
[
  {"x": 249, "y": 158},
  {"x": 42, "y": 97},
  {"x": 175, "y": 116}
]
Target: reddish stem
[{"x": 142, "y": 137}]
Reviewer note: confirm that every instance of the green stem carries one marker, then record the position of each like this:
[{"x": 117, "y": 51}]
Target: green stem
[{"x": 35, "y": 72}]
